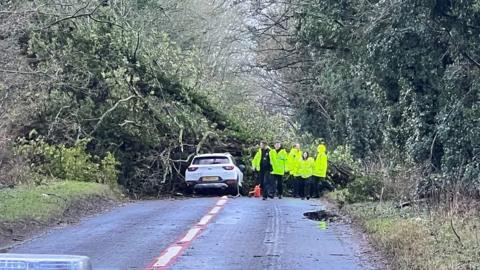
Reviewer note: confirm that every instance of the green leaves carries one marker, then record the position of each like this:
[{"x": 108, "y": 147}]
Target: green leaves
[
  {"x": 395, "y": 79},
  {"x": 70, "y": 163},
  {"x": 131, "y": 85}
]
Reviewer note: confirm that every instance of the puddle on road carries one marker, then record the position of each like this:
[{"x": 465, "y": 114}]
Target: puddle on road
[{"x": 322, "y": 215}]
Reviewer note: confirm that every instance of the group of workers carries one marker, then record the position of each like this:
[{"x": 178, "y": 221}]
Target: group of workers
[{"x": 308, "y": 174}]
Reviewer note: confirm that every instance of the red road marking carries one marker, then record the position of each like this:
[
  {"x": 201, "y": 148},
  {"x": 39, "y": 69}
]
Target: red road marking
[{"x": 168, "y": 256}]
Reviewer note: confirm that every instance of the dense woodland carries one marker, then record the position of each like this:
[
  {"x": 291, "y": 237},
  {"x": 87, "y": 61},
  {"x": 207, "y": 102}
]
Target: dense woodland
[
  {"x": 132, "y": 89},
  {"x": 395, "y": 81}
]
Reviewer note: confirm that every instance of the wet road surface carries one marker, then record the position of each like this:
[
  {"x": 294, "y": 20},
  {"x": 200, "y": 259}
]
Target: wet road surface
[{"x": 247, "y": 233}]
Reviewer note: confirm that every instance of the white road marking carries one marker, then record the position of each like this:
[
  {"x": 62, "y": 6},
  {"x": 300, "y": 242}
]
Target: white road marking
[
  {"x": 190, "y": 235},
  {"x": 221, "y": 202},
  {"x": 205, "y": 220},
  {"x": 176, "y": 250},
  {"x": 215, "y": 209},
  {"x": 165, "y": 258}
]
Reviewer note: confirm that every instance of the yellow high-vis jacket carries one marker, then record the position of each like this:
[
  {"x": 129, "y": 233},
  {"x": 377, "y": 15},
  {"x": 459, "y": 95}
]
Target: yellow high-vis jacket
[
  {"x": 278, "y": 159},
  {"x": 292, "y": 161},
  {"x": 305, "y": 167},
  {"x": 257, "y": 159},
  {"x": 321, "y": 162}
]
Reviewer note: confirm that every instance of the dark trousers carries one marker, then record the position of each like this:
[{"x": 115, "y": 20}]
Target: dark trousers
[
  {"x": 278, "y": 180},
  {"x": 268, "y": 185},
  {"x": 295, "y": 181},
  {"x": 310, "y": 187},
  {"x": 315, "y": 187},
  {"x": 322, "y": 184},
  {"x": 261, "y": 177},
  {"x": 301, "y": 187}
]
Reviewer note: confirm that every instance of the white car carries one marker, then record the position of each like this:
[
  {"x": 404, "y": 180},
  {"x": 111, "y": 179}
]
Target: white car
[{"x": 215, "y": 171}]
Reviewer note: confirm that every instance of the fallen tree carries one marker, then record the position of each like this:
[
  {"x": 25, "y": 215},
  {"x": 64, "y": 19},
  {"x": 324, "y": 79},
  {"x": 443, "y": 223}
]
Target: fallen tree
[{"x": 93, "y": 75}]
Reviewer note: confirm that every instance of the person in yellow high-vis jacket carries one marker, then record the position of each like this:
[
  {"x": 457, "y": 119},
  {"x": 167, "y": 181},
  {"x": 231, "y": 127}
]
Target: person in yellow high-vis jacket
[
  {"x": 278, "y": 159},
  {"x": 305, "y": 170},
  {"x": 293, "y": 159},
  {"x": 261, "y": 164},
  {"x": 320, "y": 168}
]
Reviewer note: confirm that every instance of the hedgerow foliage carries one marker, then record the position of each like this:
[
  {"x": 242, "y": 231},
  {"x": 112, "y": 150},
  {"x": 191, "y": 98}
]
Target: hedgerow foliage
[
  {"x": 118, "y": 81},
  {"x": 396, "y": 81},
  {"x": 69, "y": 163}
]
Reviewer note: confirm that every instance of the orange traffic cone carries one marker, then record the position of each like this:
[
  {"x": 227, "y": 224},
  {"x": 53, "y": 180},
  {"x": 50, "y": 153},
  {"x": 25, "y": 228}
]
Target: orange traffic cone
[{"x": 257, "y": 191}]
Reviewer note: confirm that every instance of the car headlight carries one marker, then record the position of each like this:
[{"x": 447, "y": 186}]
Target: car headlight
[{"x": 43, "y": 262}]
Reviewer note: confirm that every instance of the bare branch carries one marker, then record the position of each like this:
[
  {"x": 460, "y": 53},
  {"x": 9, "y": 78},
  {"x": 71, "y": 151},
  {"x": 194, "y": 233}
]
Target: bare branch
[
  {"x": 473, "y": 61},
  {"x": 74, "y": 15},
  {"x": 109, "y": 111},
  {"x": 36, "y": 73}
]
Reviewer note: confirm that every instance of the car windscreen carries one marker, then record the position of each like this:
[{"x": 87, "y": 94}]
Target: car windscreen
[{"x": 210, "y": 160}]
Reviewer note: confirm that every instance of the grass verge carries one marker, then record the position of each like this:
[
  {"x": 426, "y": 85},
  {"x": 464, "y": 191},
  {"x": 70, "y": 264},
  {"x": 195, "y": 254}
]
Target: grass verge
[
  {"x": 419, "y": 237},
  {"x": 27, "y": 209}
]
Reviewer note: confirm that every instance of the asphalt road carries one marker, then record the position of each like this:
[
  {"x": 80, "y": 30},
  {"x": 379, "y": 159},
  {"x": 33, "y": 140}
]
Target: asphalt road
[{"x": 246, "y": 233}]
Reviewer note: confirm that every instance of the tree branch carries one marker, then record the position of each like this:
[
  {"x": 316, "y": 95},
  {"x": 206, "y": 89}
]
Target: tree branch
[
  {"x": 74, "y": 15},
  {"x": 473, "y": 61},
  {"x": 109, "y": 111},
  {"x": 37, "y": 73}
]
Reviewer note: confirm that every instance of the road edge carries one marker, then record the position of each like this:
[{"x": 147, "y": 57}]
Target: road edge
[
  {"x": 79, "y": 208},
  {"x": 376, "y": 256}
]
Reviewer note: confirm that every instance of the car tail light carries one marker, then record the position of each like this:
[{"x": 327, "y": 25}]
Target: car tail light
[
  {"x": 228, "y": 168},
  {"x": 192, "y": 169}
]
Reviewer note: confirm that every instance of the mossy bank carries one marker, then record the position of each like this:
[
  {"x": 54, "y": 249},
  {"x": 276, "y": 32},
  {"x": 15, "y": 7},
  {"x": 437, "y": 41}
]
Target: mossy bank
[
  {"x": 27, "y": 210},
  {"x": 418, "y": 237}
]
